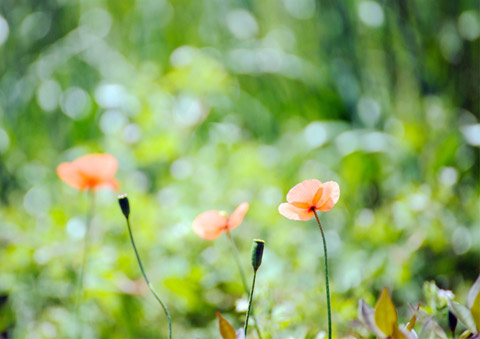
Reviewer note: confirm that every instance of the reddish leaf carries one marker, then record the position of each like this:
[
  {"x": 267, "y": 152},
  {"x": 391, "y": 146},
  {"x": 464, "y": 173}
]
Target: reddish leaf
[{"x": 226, "y": 329}]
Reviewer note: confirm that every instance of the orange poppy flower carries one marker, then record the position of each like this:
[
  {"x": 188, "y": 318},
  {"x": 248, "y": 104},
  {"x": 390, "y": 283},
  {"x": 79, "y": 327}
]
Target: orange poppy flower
[
  {"x": 307, "y": 196},
  {"x": 210, "y": 224},
  {"x": 92, "y": 171}
]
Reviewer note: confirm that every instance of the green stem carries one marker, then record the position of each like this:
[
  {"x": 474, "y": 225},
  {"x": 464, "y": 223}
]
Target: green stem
[
  {"x": 237, "y": 261},
  {"x": 242, "y": 275},
  {"x": 326, "y": 276},
  {"x": 250, "y": 302},
  {"x": 165, "y": 309},
  {"x": 81, "y": 273}
]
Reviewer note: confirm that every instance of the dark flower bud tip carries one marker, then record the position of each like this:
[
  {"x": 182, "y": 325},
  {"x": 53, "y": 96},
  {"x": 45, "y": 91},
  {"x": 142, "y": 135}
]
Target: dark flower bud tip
[
  {"x": 124, "y": 205},
  {"x": 452, "y": 321},
  {"x": 257, "y": 253}
]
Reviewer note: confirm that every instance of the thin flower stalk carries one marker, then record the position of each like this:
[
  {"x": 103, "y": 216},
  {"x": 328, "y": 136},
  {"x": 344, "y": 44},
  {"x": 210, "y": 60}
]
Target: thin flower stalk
[
  {"x": 210, "y": 225},
  {"x": 88, "y": 173},
  {"x": 165, "y": 309},
  {"x": 244, "y": 280},
  {"x": 303, "y": 202},
  {"x": 257, "y": 254},
  {"x": 81, "y": 272},
  {"x": 124, "y": 205},
  {"x": 250, "y": 302},
  {"x": 325, "y": 257}
]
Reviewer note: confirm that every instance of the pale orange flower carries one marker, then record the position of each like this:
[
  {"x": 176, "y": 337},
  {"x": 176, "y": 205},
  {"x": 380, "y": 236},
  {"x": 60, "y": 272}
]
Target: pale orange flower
[
  {"x": 92, "y": 171},
  {"x": 210, "y": 224},
  {"x": 308, "y": 196}
]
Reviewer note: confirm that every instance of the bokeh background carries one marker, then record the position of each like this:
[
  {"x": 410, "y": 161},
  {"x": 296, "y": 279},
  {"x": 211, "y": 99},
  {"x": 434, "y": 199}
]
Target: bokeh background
[{"x": 209, "y": 103}]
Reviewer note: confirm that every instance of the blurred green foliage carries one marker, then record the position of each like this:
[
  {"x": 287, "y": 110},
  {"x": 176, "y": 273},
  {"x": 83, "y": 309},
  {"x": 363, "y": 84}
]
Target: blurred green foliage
[{"x": 209, "y": 103}]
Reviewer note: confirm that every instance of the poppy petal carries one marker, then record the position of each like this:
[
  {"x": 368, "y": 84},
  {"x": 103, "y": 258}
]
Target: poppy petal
[
  {"x": 331, "y": 190},
  {"x": 68, "y": 173},
  {"x": 209, "y": 225},
  {"x": 327, "y": 206},
  {"x": 317, "y": 196},
  {"x": 304, "y": 192},
  {"x": 112, "y": 183},
  {"x": 237, "y": 216},
  {"x": 99, "y": 168},
  {"x": 302, "y": 205},
  {"x": 294, "y": 213}
]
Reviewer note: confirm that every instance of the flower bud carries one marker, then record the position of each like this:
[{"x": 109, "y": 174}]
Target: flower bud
[
  {"x": 452, "y": 321},
  {"x": 124, "y": 205},
  {"x": 257, "y": 253}
]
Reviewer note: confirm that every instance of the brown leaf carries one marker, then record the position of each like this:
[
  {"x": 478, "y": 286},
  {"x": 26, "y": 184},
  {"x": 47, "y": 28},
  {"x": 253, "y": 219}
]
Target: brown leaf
[
  {"x": 226, "y": 329},
  {"x": 398, "y": 334},
  {"x": 413, "y": 319}
]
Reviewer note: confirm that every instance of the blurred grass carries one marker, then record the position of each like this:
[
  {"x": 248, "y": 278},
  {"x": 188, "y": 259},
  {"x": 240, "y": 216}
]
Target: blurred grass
[{"x": 209, "y": 103}]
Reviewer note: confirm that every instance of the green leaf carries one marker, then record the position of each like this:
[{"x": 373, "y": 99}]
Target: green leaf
[
  {"x": 473, "y": 302},
  {"x": 473, "y": 293},
  {"x": 386, "y": 316},
  {"x": 475, "y": 309},
  {"x": 311, "y": 333},
  {"x": 227, "y": 331},
  {"x": 465, "y": 335},
  {"x": 463, "y": 314},
  {"x": 431, "y": 329},
  {"x": 468, "y": 335}
]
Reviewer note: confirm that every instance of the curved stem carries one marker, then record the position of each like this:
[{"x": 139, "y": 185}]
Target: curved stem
[
  {"x": 81, "y": 273},
  {"x": 242, "y": 275},
  {"x": 165, "y": 309},
  {"x": 237, "y": 261},
  {"x": 326, "y": 276},
  {"x": 250, "y": 302}
]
